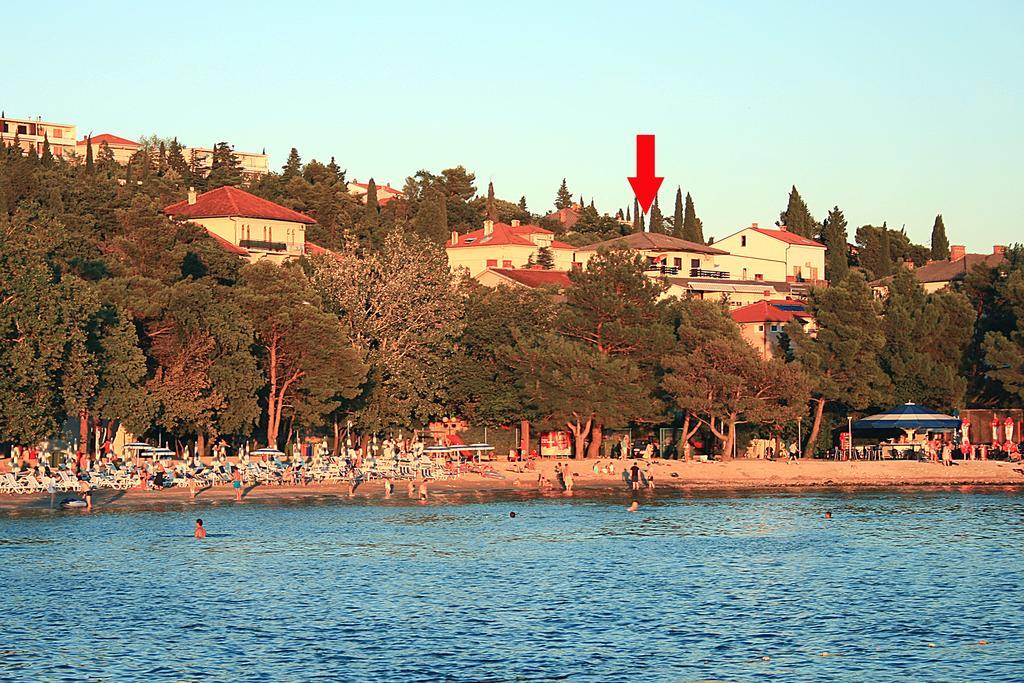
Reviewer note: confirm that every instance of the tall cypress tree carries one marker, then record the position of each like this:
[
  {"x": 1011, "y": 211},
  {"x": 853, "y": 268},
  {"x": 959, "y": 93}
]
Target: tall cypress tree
[
  {"x": 637, "y": 225},
  {"x": 693, "y": 229},
  {"x": 629, "y": 217},
  {"x": 677, "y": 216},
  {"x": 940, "y": 243},
  {"x": 492, "y": 211},
  {"x": 797, "y": 217},
  {"x": 884, "y": 253},
  {"x": 657, "y": 220},
  {"x": 836, "y": 264},
  {"x": 563, "y": 199},
  {"x": 368, "y": 228},
  {"x": 89, "y": 165},
  {"x": 47, "y": 157}
]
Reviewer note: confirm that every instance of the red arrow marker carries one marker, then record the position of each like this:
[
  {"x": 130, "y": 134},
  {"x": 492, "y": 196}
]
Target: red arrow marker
[{"x": 645, "y": 184}]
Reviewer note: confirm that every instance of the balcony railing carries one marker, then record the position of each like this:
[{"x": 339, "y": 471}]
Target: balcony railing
[
  {"x": 263, "y": 246},
  {"x": 700, "y": 272},
  {"x": 664, "y": 270}
]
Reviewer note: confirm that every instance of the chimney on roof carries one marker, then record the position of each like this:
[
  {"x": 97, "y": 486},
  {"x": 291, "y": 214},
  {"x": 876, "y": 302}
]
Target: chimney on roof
[
  {"x": 908, "y": 264},
  {"x": 488, "y": 228},
  {"x": 191, "y": 196},
  {"x": 999, "y": 250},
  {"x": 515, "y": 222},
  {"x": 782, "y": 228},
  {"x": 957, "y": 252},
  {"x": 455, "y": 237},
  {"x": 753, "y": 225}
]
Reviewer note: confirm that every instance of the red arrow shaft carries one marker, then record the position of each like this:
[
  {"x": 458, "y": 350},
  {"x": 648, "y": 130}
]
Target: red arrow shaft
[{"x": 645, "y": 156}]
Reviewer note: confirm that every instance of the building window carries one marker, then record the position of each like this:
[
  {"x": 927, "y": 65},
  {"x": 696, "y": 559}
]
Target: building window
[
  {"x": 677, "y": 262},
  {"x": 492, "y": 263},
  {"x": 22, "y": 130},
  {"x": 58, "y": 133},
  {"x": 506, "y": 264},
  {"x": 743, "y": 240},
  {"x": 695, "y": 263},
  {"x": 744, "y": 273},
  {"x": 759, "y": 276},
  {"x": 775, "y": 328},
  {"x": 760, "y": 328}
]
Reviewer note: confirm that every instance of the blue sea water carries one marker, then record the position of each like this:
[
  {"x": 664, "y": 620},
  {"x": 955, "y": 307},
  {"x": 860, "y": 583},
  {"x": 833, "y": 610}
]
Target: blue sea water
[{"x": 897, "y": 586}]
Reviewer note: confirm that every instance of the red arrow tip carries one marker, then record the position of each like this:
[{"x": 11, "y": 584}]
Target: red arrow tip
[{"x": 645, "y": 189}]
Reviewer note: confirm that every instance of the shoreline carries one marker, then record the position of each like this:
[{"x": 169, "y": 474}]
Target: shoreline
[{"x": 672, "y": 477}]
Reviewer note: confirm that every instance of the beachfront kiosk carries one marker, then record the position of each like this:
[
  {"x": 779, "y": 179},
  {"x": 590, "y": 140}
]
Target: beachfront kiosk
[{"x": 903, "y": 430}]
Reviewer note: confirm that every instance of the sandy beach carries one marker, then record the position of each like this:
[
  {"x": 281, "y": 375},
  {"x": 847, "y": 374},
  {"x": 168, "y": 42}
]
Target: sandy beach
[{"x": 668, "y": 475}]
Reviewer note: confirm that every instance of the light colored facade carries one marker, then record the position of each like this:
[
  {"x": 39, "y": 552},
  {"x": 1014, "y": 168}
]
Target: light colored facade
[
  {"x": 31, "y": 133},
  {"x": 121, "y": 148},
  {"x": 733, "y": 293},
  {"x": 524, "y": 277},
  {"x": 200, "y": 159},
  {"x": 385, "y": 193},
  {"x": 772, "y": 254},
  {"x": 245, "y": 224},
  {"x": 506, "y": 246},
  {"x": 664, "y": 254}
]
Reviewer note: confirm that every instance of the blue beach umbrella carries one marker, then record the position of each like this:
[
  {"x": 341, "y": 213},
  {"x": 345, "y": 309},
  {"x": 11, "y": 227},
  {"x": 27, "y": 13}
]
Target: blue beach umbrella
[{"x": 908, "y": 416}]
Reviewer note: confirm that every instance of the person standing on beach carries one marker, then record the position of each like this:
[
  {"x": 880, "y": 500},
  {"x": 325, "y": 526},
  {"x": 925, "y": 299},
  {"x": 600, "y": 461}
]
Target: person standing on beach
[
  {"x": 388, "y": 487},
  {"x": 423, "y": 490},
  {"x": 634, "y": 476},
  {"x": 236, "y": 482},
  {"x": 567, "y": 480},
  {"x": 85, "y": 488}
]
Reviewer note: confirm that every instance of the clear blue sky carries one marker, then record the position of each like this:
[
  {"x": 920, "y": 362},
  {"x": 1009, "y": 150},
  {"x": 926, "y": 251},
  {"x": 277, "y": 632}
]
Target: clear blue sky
[{"x": 893, "y": 110}]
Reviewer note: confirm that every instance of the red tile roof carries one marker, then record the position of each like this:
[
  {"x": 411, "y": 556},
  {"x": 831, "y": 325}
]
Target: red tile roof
[
  {"x": 316, "y": 249},
  {"x": 505, "y": 234},
  {"x": 655, "y": 241},
  {"x": 228, "y": 246},
  {"x": 110, "y": 140},
  {"x": 230, "y": 201},
  {"x": 385, "y": 187},
  {"x": 770, "y": 311},
  {"x": 789, "y": 237},
  {"x": 534, "y": 277},
  {"x": 567, "y": 217}
]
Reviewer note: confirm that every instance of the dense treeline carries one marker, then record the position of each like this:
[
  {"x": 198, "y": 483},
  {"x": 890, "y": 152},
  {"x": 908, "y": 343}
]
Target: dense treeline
[{"x": 110, "y": 312}]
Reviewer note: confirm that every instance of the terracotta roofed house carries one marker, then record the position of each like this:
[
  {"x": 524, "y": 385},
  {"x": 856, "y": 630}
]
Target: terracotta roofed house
[
  {"x": 774, "y": 255},
  {"x": 507, "y": 246},
  {"x": 937, "y": 275},
  {"x": 762, "y": 322},
  {"x": 256, "y": 226},
  {"x": 385, "y": 193},
  {"x": 121, "y": 148},
  {"x": 524, "y": 277}
]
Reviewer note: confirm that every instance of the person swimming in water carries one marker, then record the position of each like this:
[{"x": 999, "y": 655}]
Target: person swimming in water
[
  {"x": 633, "y": 507},
  {"x": 200, "y": 531}
]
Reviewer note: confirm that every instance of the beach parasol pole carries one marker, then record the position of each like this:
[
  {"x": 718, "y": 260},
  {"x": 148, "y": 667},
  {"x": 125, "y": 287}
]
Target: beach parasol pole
[
  {"x": 849, "y": 438},
  {"x": 799, "y": 437}
]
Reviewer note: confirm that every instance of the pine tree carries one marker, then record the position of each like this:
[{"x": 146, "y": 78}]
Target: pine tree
[
  {"x": 225, "y": 168},
  {"x": 337, "y": 173},
  {"x": 797, "y": 218},
  {"x": 431, "y": 220},
  {"x": 105, "y": 158},
  {"x": 563, "y": 200},
  {"x": 89, "y": 165},
  {"x": 47, "y": 158},
  {"x": 176, "y": 160},
  {"x": 293, "y": 166},
  {"x": 836, "y": 264},
  {"x": 842, "y": 356},
  {"x": 522, "y": 203},
  {"x": 545, "y": 259},
  {"x": 940, "y": 244},
  {"x": 657, "y": 220},
  {"x": 677, "y": 215},
  {"x": 693, "y": 229},
  {"x": 492, "y": 211}
]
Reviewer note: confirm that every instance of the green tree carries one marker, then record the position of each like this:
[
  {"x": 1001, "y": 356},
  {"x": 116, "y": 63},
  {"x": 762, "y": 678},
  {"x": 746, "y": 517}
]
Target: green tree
[
  {"x": 834, "y": 234},
  {"x": 492, "y": 212},
  {"x": 368, "y": 229},
  {"x": 399, "y": 308},
  {"x": 926, "y": 336},
  {"x": 292, "y": 166},
  {"x": 797, "y": 217},
  {"x": 693, "y": 229},
  {"x": 940, "y": 243},
  {"x": 545, "y": 259},
  {"x": 47, "y": 156},
  {"x": 307, "y": 359},
  {"x": 225, "y": 167},
  {"x": 431, "y": 220},
  {"x": 842, "y": 357},
  {"x": 677, "y": 216},
  {"x": 563, "y": 199},
  {"x": 88, "y": 154},
  {"x": 657, "y": 219}
]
